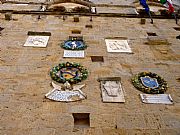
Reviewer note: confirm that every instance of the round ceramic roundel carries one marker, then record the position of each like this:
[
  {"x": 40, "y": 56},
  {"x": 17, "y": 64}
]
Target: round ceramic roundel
[
  {"x": 74, "y": 45},
  {"x": 71, "y": 72},
  {"x": 149, "y": 83}
]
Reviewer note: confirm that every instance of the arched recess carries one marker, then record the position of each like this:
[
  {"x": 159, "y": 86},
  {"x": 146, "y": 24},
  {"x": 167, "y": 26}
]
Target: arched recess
[
  {"x": 81, "y": 2},
  {"x": 70, "y": 5}
]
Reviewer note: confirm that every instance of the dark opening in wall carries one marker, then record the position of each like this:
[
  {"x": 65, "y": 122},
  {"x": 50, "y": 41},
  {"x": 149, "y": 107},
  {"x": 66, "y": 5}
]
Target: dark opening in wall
[
  {"x": 81, "y": 120},
  {"x": 88, "y": 26},
  {"x": 76, "y": 32},
  {"x": 151, "y": 34},
  {"x": 31, "y": 33},
  {"x": 178, "y": 79},
  {"x": 177, "y": 28},
  {"x": 143, "y": 21},
  {"x": 178, "y": 37},
  {"x": 142, "y": 12},
  {"x": 75, "y": 38},
  {"x": 97, "y": 58},
  {"x": 1, "y": 29},
  {"x": 76, "y": 18},
  {"x": 8, "y": 16}
]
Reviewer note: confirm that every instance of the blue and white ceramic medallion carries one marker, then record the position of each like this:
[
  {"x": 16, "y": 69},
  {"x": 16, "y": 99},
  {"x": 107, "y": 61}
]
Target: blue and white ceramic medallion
[
  {"x": 149, "y": 82},
  {"x": 74, "y": 45}
]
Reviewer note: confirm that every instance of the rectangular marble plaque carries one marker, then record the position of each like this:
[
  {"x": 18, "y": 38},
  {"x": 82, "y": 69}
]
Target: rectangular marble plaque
[
  {"x": 73, "y": 54},
  {"x": 117, "y": 45},
  {"x": 156, "y": 98},
  {"x": 112, "y": 90},
  {"x": 37, "y": 41}
]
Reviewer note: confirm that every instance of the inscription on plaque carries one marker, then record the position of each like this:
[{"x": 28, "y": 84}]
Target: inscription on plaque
[
  {"x": 156, "y": 98},
  {"x": 73, "y": 54}
]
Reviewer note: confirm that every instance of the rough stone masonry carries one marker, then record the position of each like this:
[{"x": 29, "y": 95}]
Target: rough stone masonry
[{"x": 25, "y": 79}]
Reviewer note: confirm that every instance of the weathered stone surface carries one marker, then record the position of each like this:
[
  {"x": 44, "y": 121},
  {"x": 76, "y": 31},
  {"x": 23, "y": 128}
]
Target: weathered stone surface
[
  {"x": 24, "y": 77},
  {"x": 156, "y": 40}
]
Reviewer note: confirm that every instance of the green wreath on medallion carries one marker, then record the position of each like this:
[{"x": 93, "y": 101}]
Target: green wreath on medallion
[
  {"x": 71, "y": 72},
  {"x": 159, "y": 89}
]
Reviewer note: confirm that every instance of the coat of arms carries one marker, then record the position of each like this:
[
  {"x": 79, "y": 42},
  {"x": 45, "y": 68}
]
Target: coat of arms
[{"x": 149, "y": 82}]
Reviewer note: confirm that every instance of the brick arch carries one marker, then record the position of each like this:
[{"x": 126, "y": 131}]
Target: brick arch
[{"x": 81, "y": 2}]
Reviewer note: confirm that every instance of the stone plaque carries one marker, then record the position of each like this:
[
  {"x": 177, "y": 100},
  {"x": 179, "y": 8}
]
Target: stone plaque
[
  {"x": 66, "y": 93},
  {"x": 37, "y": 41},
  {"x": 111, "y": 90},
  {"x": 117, "y": 45},
  {"x": 73, "y": 54},
  {"x": 65, "y": 96},
  {"x": 156, "y": 98}
]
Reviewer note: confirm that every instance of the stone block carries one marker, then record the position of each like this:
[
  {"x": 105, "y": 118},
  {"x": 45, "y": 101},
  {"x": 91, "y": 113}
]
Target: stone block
[
  {"x": 154, "y": 121},
  {"x": 170, "y": 131},
  {"x": 80, "y": 109},
  {"x": 172, "y": 121},
  {"x": 131, "y": 121},
  {"x": 103, "y": 121},
  {"x": 157, "y": 40}
]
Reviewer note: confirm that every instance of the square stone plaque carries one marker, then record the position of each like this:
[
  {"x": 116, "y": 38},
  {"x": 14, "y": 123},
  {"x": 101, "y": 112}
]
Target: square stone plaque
[
  {"x": 73, "y": 54},
  {"x": 112, "y": 90},
  {"x": 37, "y": 41},
  {"x": 117, "y": 45}
]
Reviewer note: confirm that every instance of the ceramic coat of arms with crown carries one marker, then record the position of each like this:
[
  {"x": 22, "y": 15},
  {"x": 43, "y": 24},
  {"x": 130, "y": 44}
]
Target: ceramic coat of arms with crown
[{"x": 69, "y": 74}]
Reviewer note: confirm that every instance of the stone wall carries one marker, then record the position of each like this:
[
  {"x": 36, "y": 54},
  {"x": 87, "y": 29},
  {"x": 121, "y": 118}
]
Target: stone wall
[{"x": 24, "y": 76}]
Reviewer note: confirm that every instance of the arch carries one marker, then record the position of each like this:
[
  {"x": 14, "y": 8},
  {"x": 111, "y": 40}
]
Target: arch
[{"x": 81, "y": 2}]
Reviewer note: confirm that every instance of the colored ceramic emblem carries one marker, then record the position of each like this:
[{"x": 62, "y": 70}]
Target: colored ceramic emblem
[
  {"x": 66, "y": 93},
  {"x": 74, "y": 44},
  {"x": 149, "y": 83},
  {"x": 68, "y": 72}
]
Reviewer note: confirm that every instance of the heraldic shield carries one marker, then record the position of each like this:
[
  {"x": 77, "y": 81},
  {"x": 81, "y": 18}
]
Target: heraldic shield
[{"x": 149, "y": 82}]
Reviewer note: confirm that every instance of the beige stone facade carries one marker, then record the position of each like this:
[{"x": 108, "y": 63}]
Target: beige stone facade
[{"x": 25, "y": 79}]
